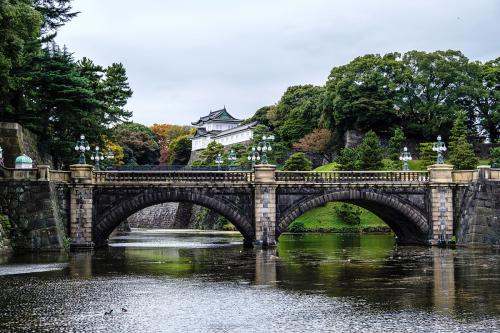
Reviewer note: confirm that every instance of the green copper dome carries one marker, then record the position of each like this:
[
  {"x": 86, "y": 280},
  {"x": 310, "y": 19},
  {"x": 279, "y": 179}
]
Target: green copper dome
[{"x": 23, "y": 162}]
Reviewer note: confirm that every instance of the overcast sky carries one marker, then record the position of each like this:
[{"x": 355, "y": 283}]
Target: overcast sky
[{"x": 185, "y": 58}]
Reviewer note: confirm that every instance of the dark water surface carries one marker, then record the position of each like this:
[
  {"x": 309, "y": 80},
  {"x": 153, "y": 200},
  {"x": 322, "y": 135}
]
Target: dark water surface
[{"x": 198, "y": 282}]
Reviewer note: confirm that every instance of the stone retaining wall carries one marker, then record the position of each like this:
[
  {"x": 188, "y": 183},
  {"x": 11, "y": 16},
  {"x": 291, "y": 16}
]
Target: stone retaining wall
[
  {"x": 16, "y": 140},
  {"x": 477, "y": 220},
  {"x": 38, "y": 213},
  {"x": 4, "y": 237},
  {"x": 160, "y": 216}
]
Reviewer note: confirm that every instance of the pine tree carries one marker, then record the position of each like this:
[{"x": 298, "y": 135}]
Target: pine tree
[
  {"x": 116, "y": 92},
  {"x": 396, "y": 144},
  {"x": 461, "y": 151},
  {"x": 63, "y": 104},
  {"x": 348, "y": 159},
  {"x": 371, "y": 153}
]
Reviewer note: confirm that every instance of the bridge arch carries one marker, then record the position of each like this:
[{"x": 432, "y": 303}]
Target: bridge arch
[
  {"x": 107, "y": 221},
  {"x": 409, "y": 223}
]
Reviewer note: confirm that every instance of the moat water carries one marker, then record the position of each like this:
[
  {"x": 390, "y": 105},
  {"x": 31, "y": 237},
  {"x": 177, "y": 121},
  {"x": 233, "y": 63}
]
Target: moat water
[{"x": 202, "y": 282}]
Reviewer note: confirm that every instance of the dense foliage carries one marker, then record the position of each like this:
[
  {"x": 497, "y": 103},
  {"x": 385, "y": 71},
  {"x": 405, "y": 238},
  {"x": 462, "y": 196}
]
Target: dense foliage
[
  {"x": 461, "y": 151},
  {"x": 44, "y": 89},
  {"x": 139, "y": 142},
  {"x": 396, "y": 144},
  {"x": 349, "y": 214},
  {"x": 415, "y": 95},
  {"x": 179, "y": 151},
  {"x": 167, "y": 133},
  {"x": 368, "y": 155},
  {"x": 298, "y": 162}
]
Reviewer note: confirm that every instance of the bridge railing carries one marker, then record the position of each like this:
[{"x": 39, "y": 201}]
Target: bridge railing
[
  {"x": 464, "y": 176},
  {"x": 60, "y": 176},
  {"x": 352, "y": 176},
  {"x": 101, "y": 177},
  {"x": 495, "y": 174}
]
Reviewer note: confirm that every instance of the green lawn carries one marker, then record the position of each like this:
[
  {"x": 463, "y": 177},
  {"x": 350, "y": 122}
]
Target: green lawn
[
  {"x": 328, "y": 167},
  {"x": 324, "y": 219}
]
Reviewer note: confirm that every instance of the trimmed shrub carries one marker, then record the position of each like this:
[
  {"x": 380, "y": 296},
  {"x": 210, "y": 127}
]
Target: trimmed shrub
[
  {"x": 297, "y": 227},
  {"x": 349, "y": 214}
]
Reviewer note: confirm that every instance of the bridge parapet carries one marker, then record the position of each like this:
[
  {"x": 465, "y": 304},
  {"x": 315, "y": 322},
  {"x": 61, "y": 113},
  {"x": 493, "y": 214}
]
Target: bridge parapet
[
  {"x": 335, "y": 177},
  {"x": 495, "y": 174},
  {"x": 464, "y": 176},
  {"x": 107, "y": 177}
]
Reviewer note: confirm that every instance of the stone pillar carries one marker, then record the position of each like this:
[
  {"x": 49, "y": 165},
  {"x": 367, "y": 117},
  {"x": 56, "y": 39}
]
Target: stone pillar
[
  {"x": 81, "y": 206},
  {"x": 484, "y": 172},
  {"x": 44, "y": 172},
  {"x": 440, "y": 177},
  {"x": 265, "y": 205}
]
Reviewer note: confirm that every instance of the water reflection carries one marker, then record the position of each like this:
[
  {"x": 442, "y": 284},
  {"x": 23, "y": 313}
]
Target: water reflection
[{"x": 358, "y": 275}]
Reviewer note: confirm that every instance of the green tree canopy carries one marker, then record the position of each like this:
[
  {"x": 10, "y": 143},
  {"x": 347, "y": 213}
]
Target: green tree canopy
[
  {"x": 179, "y": 151},
  {"x": 371, "y": 153},
  {"x": 298, "y": 162},
  {"x": 208, "y": 155},
  {"x": 139, "y": 143},
  {"x": 297, "y": 113},
  {"x": 349, "y": 159},
  {"x": 361, "y": 94},
  {"x": 396, "y": 144},
  {"x": 461, "y": 151}
]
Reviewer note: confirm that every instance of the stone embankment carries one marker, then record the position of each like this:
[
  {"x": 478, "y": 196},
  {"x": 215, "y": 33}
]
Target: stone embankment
[
  {"x": 160, "y": 216},
  {"x": 37, "y": 212},
  {"x": 173, "y": 215},
  {"x": 478, "y": 220}
]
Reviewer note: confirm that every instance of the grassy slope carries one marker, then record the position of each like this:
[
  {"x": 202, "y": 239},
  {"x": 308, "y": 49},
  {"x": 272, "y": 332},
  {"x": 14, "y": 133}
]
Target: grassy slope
[{"x": 324, "y": 219}]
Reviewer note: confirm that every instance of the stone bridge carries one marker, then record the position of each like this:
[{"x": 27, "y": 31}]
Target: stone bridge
[{"x": 421, "y": 207}]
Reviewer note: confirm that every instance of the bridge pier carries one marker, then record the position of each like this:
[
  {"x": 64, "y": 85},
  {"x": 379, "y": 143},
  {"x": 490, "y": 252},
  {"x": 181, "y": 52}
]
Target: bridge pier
[
  {"x": 81, "y": 206},
  {"x": 441, "y": 199},
  {"x": 265, "y": 205}
]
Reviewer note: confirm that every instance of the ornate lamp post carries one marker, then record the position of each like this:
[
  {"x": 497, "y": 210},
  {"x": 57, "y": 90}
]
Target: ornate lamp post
[
  {"x": 219, "y": 160},
  {"x": 82, "y": 146},
  {"x": 232, "y": 158},
  {"x": 254, "y": 156},
  {"x": 265, "y": 146},
  {"x": 1, "y": 157},
  {"x": 97, "y": 156},
  {"x": 405, "y": 157},
  {"x": 439, "y": 147}
]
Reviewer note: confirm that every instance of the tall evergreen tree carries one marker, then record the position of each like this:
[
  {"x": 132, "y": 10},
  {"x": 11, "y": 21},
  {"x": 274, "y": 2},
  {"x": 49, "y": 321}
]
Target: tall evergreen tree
[
  {"x": 116, "y": 92},
  {"x": 63, "y": 104},
  {"x": 55, "y": 14},
  {"x": 349, "y": 159},
  {"x": 461, "y": 151},
  {"x": 371, "y": 153},
  {"x": 396, "y": 144}
]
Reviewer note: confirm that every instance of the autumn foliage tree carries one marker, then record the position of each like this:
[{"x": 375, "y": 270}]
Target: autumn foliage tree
[
  {"x": 166, "y": 134},
  {"x": 318, "y": 141}
]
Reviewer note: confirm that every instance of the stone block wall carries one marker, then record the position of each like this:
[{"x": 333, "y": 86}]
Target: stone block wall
[
  {"x": 38, "y": 213},
  {"x": 4, "y": 236},
  {"x": 478, "y": 217},
  {"x": 16, "y": 140},
  {"x": 160, "y": 216}
]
